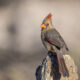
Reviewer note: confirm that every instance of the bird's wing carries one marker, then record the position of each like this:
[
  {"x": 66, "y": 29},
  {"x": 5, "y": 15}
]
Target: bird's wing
[{"x": 53, "y": 37}]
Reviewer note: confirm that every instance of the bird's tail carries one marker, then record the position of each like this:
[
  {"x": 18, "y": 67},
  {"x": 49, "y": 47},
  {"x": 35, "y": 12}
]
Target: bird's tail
[{"x": 62, "y": 66}]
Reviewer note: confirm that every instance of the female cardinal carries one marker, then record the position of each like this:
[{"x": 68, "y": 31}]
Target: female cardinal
[{"x": 53, "y": 41}]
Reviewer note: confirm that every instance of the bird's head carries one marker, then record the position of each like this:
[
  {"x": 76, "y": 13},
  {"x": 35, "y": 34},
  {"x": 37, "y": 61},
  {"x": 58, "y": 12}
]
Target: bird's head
[{"x": 47, "y": 22}]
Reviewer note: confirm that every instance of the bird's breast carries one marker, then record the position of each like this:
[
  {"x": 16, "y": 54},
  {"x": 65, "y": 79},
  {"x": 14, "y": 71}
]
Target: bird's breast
[{"x": 46, "y": 44}]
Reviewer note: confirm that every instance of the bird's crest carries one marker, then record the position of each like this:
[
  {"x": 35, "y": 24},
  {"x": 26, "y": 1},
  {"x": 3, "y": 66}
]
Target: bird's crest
[{"x": 49, "y": 16}]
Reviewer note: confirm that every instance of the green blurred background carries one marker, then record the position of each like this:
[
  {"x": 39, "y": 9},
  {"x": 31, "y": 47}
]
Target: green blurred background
[{"x": 21, "y": 49}]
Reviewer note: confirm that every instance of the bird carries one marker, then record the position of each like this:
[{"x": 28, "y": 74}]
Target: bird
[{"x": 53, "y": 41}]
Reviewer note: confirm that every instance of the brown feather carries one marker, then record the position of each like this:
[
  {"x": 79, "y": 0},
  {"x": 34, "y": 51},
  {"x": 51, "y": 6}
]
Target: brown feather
[{"x": 49, "y": 16}]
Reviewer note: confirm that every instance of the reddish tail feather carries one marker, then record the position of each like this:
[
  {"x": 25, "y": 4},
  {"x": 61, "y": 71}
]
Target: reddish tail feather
[{"x": 62, "y": 67}]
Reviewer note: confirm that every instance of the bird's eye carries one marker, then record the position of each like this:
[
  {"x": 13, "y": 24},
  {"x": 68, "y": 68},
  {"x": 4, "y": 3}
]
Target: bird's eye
[{"x": 47, "y": 24}]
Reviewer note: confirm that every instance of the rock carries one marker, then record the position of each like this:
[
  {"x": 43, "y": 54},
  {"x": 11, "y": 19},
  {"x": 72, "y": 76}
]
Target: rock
[
  {"x": 49, "y": 69},
  {"x": 71, "y": 67}
]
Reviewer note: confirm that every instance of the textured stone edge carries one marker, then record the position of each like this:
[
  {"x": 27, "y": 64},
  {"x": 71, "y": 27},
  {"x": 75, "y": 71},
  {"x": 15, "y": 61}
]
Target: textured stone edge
[{"x": 43, "y": 71}]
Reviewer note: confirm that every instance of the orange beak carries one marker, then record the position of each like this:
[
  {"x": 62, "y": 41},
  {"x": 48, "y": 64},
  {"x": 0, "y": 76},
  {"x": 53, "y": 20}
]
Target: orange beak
[{"x": 43, "y": 26}]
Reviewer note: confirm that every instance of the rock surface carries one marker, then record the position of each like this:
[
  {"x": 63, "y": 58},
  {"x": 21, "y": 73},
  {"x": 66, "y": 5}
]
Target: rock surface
[
  {"x": 46, "y": 72},
  {"x": 71, "y": 67}
]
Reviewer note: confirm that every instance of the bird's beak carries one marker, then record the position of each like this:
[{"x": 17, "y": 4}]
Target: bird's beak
[{"x": 43, "y": 26}]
